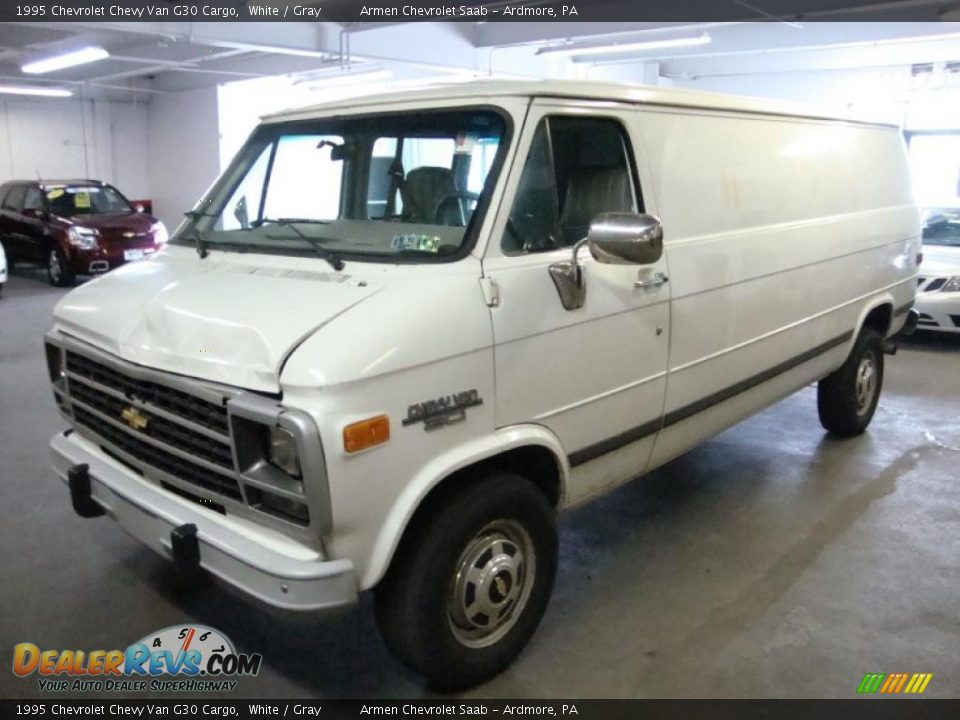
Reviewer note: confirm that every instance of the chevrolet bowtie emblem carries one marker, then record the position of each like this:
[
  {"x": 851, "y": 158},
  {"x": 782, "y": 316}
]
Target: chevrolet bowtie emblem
[
  {"x": 134, "y": 418},
  {"x": 129, "y": 234}
]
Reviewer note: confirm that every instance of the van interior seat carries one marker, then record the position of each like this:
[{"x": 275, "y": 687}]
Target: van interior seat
[
  {"x": 592, "y": 190},
  {"x": 423, "y": 190}
]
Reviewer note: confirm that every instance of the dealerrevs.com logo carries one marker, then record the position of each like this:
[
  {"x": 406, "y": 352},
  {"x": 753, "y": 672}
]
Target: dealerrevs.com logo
[{"x": 190, "y": 658}]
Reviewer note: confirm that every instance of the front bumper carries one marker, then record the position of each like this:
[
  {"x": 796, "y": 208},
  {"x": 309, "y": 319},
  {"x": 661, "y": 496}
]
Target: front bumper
[
  {"x": 259, "y": 562},
  {"x": 939, "y": 311},
  {"x": 103, "y": 258}
]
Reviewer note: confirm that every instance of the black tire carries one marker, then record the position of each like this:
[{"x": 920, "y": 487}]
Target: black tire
[
  {"x": 847, "y": 398},
  {"x": 418, "y": 602},
  {"x": 58, "y": 270}
]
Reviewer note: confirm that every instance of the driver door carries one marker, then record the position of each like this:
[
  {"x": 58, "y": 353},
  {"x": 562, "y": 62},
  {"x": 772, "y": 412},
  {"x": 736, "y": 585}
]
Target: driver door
[{"x": 595, "y": 375}]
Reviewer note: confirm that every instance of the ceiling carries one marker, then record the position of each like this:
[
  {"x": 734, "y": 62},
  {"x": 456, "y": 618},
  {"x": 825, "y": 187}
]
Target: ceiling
[{"x": 159, "y": 57}]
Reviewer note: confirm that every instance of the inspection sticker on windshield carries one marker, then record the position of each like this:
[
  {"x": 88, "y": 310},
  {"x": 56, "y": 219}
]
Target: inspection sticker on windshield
[{"x": 416, "y": 241}]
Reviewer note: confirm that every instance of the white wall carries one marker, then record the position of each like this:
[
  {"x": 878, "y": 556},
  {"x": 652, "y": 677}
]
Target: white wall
[
  {"x": 184, "y": 154},
  {"x": 51, "y": 138}
]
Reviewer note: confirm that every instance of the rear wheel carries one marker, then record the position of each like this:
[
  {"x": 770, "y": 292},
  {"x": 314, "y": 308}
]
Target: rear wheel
[
  {"x": 58, "y": 269},
  {"x": 470, "y": 584},
  {"x": 847, "y": 398}
]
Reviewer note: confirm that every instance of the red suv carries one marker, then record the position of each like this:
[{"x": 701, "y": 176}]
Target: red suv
[{"x": 74, "y": 227}]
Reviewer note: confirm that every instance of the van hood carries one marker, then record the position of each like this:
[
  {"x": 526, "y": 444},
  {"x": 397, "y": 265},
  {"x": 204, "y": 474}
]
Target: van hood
[{"x": 222, "y": 319}]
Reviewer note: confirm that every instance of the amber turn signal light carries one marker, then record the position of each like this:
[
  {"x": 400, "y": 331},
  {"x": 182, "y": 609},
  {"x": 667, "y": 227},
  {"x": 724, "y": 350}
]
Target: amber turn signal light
[{"x": 366, "y": 433}]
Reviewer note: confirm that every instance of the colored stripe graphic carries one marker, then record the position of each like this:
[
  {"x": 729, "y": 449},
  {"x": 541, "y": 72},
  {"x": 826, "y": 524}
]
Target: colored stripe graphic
[
  {"x": 890, "y": 682},
  {"x": 920, "y": 682},
  {"x": 894, "y": 683},
  {"x": 900, "y": 683},
  {"x": 871, "y": 683}
]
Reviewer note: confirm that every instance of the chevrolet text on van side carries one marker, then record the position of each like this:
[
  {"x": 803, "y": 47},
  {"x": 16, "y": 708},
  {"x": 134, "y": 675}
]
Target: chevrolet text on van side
[{"x": 399, "y": 334}]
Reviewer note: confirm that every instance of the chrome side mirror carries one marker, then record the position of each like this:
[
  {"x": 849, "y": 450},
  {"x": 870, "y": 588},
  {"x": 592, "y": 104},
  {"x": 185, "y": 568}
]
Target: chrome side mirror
[
  {"x": 616, "y": 237},
  {"x": 625, "y": 238}
]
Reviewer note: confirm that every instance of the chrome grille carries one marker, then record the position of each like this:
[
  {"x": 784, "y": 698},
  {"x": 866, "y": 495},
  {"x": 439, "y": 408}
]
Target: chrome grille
[
  {"x": 162, "y": 397},
  {"x": 183, "y": 436},
  {"x": 159, "y": 428},
  {"x": 156, "y": 457}
]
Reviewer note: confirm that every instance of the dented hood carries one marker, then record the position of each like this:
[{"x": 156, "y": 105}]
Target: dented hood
[{"x": 226, "y": 319}]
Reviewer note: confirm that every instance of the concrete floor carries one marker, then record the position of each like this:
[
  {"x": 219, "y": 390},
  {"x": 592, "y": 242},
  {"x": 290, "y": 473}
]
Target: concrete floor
[{"x": 770, "y": 562}]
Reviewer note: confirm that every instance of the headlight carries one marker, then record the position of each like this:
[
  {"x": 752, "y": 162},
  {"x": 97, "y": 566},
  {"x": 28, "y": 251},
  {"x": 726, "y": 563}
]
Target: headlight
[
  {"x": 952, "y": 285},
  {"x": 83, "y": 238},
  {"x": 160, "y": 234},
  {"x": 54, "y": 363},
  {"x": 283, "y": 451}
]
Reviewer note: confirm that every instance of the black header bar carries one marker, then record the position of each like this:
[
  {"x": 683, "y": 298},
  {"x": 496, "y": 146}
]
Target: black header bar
[
  {"x": 342, "y": 11},
  {"x": 862, "y": 709}
]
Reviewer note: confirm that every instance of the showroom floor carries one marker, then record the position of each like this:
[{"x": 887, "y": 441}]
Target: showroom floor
[{"x": 771, "y": 562}]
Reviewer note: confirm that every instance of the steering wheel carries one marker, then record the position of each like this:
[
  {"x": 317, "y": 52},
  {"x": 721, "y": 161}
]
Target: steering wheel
[
  {"x": 459, "y": 197},
  {"x": 526, "y": 244}
]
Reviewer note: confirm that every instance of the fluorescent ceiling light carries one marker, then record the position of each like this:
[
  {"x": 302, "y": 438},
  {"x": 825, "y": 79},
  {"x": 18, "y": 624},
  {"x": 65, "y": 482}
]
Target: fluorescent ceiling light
[
  {"x": 358, "y": 77},
  {"x": 34, "y": 90},
  {"x": 59, "y": 62},
  {"x": 609, "y": 48}
]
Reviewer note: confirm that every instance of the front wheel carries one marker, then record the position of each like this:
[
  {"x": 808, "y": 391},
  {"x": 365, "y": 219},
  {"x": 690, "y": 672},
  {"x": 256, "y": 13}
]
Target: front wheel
[
  {"x": 58, "y": 269},
  {"x": 847, "y": 398},
  {"x": 471, "y": 582}
]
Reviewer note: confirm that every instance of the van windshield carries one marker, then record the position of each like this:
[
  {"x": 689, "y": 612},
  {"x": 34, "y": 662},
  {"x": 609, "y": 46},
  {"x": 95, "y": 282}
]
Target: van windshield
[{"x": 379, "y": 187}]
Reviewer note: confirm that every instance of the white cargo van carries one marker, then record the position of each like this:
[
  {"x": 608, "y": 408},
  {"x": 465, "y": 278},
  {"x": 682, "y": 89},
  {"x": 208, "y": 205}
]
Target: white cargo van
[{"x": 399, "y": 334}]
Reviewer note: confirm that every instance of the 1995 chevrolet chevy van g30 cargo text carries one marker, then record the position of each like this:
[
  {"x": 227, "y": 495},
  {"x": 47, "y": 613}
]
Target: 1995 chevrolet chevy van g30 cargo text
[{"x": 399, "y": 334}]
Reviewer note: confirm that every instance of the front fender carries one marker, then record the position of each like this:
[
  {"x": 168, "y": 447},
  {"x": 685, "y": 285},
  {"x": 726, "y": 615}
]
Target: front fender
[{"x": 442, "y": 467}]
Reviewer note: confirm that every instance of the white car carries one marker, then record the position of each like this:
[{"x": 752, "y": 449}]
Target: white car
[
  {"x": 3, "y": 269},
  {"x": 401, "y": 333},
  {"x": 938, "y": 289}
]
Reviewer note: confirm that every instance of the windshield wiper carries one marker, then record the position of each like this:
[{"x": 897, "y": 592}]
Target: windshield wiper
[
  {"x": 289, "y": 221},
  {"x": 316, "y": 243},
  {"x": 198, "y": 237}
]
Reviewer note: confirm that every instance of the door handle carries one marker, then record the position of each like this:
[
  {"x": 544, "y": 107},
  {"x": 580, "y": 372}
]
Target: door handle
[{"x": 657, "y": 280}]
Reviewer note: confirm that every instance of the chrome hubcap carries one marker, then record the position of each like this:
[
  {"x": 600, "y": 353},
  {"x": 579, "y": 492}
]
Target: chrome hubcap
[
  {"x": 54, "y": 265},
  {"x": 866, "y": 383},
  {"x": 492, "y": 584}
]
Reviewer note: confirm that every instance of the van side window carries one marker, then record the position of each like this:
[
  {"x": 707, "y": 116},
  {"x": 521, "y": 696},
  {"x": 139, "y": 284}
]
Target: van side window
[{"x": 576, "y": 169}]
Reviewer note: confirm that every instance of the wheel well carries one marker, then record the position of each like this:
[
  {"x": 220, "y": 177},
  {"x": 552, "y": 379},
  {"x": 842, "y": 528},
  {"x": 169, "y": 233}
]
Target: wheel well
[
  {"x": 537, "y": 464},
  {"x": 880, "y": 319},
  {"x": 533, "y": 462}
]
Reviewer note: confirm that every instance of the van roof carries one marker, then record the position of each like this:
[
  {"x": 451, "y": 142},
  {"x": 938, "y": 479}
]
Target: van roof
[{"x": 618, "y": 92}]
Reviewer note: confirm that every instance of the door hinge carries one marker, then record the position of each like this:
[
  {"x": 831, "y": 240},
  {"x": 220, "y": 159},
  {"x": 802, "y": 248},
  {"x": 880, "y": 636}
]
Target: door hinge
[{"x": 490, "y": 290}]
